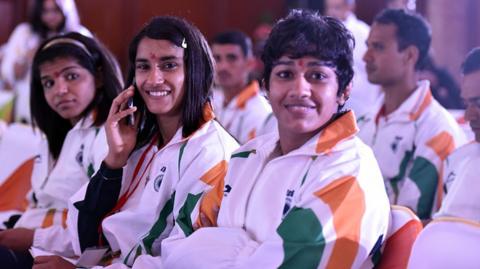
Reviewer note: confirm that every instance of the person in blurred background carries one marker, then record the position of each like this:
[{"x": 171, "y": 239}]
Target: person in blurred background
[
  {"x": 364, "y": 94},
  {"x": 444, "y": 87},
  {"x": 239, "y": 103},
  {"x": 458, "y": 220},
  {"x": 410, "y": 133},
  {"x": 48, "y": 18}
]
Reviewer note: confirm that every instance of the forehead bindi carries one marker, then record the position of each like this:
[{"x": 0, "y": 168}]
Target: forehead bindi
[{"x": 153, "y": 57}]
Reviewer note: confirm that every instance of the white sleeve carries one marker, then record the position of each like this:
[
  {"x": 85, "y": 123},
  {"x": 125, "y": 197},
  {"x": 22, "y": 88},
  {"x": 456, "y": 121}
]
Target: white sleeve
[
  {"x": 100, "y": 148},
  {"x": 15, "y": 49},
  {"x": 230, "y": 245},
  {"x": 54, "y": 239}
]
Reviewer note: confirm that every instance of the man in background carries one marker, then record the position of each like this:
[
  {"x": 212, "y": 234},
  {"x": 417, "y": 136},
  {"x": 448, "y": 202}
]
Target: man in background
[{"x": 238, "y": 103}]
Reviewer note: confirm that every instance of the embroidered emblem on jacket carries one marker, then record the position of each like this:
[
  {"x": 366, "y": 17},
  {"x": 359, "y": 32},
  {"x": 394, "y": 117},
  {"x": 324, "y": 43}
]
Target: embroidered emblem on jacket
[
  {"x": 226, "y": 190},
  {"x": 448, "y": 181},
  {"x": 79, "y": 156},
  {"x": 288, "y": 201},
  {"x": 394, "y": 144},
  {"x": 158, "y": 180}
]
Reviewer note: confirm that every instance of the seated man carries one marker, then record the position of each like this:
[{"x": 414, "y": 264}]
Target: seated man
[
  {"x": 310, "y": 195},
  {"x": 239, "y": 104},
  {"x": 462, "y": 198},
  {"x": 410, "y": 133},
  {"x": 458, "y": 221}
]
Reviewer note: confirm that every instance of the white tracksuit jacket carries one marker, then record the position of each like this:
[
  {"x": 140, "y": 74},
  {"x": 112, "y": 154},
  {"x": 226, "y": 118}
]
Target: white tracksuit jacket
[
  {"x": 244, "y": 116},
  {"x": 410, "y": 145},
  {"x": 323, "y": 204},
  {"x": 53, "y": 184},
  {"x": 463, "y": 194},
  {"x": 180, "y": 173}
]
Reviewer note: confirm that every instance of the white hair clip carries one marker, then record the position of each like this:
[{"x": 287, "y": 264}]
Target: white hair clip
[{"x": 184, "y": 43}]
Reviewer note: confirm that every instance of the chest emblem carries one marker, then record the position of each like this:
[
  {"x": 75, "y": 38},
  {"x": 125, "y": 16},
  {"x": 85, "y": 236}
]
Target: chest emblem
[
  {"x": 158, "y": 180},
  {"x": 288, "y": 201},
  {"x": 396, "y": 141},
  {"x": 79, "y": 156}
]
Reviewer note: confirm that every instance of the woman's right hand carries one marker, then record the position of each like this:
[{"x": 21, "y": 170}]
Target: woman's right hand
[{"x": 121, "y": 137}]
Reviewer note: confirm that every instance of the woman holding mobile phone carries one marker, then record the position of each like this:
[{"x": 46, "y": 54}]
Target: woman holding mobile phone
[{"x": 158, "y": 172}]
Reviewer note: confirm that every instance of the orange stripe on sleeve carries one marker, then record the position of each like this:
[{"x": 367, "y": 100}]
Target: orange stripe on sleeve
[
  {"x": 252, "y": 134},
  {"x": 442, "y": 144},
  {"x": 48, "y": 220},
  {"x": 347, "y": 203},
  {"x": 64, "y": 218},
  {"x": 212, "y": 199}
]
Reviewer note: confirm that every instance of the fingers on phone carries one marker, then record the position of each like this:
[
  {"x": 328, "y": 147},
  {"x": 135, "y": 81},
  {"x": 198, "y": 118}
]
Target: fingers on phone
[{"x": 120, "y": 102}]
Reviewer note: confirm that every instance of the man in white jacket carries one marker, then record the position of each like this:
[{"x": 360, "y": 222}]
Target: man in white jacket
[
  {"x": 458, "y": 221},
  {"x": 410, "y": 133},
  {"x": 310, "y": 195},
  {"x": 239, "y": 104}
]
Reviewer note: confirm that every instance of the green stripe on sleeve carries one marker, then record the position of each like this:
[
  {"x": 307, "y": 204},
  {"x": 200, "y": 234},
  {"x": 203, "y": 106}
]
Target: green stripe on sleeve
[
  {"x": 425, "y": 176},
  {"x": 159, "y": 227},
  {"x": 180, "y": 155},
  {"x": 303, "y": 240},
  {"x": 243, "y": 154},
  {"x": 184, "y": 220},
  {"x": 401, "y": 173}
]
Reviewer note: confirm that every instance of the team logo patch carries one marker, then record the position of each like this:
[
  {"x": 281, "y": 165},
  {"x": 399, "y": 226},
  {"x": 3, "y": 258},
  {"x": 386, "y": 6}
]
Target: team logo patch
[
  {"x": 395, "y": 143},
  {"x": 288, "y": 201},
  {"x": 450, "y": 178},
  {"x": 227, "y": 190},
  {"x": 158, "y": 180},
  {"x": 79, "y": 156}
]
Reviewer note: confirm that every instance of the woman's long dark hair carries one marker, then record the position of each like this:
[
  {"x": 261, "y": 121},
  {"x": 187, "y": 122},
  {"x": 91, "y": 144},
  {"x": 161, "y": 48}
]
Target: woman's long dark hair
[
  {"x": 93, "y": 57},
  {"x": 199, "y": 70}
]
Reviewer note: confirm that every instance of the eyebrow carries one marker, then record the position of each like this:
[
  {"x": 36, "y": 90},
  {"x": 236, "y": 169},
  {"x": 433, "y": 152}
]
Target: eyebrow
[
  {"x": 309, "y": 64},
  {"x": 61, "y": 71},
  {"x": 162, "y": 59}
]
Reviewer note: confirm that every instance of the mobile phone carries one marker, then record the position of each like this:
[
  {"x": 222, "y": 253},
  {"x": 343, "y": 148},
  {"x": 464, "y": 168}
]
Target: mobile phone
[
  {"x": 130, "y": 117},
  {"x": 130, "y": 104}
]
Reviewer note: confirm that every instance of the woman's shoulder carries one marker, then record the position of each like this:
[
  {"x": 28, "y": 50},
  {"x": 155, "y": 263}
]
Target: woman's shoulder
[{"x": 23, "y": 29}]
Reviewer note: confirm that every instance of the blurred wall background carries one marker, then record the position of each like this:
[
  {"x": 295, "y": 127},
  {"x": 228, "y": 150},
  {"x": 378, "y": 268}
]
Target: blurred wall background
[{"x": 454, "y": 23}]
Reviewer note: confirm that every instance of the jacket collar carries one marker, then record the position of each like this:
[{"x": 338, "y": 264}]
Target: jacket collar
[{"x": 414, "y": 106}]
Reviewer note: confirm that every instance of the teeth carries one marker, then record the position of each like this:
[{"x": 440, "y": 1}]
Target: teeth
[
  {"x": 299, "y": 107},
  {"x": 158, "y": 93}
]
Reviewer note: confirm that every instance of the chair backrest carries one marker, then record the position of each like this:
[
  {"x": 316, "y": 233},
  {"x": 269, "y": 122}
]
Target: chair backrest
[
  {"x": 403, "y": 231},
  {"x": 447, "y": 242},
  {"x": 18, "y": 144}
]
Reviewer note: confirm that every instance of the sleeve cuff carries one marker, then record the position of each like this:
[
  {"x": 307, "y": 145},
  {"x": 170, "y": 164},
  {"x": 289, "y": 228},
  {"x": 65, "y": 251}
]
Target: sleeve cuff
[{"x": 110, "y": 174}]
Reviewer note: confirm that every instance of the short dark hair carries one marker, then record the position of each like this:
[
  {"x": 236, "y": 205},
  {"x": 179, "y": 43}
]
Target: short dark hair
[
  {"x": 472, "y": 62},
  {"x": 306, "y": 33},
  {"x": 234, "y": 37},
  {"x": 36, "y": 22},
  {"x": 199, "y": 71},
  {"x": 411, "y": 30},
  {"x": 97, "y": 60}
]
